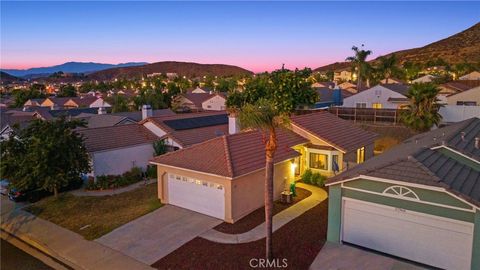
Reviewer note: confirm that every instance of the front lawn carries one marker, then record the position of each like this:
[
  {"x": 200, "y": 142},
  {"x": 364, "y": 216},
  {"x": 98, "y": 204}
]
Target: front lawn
[
  {"x": 93, "y": 217},
  {"x": 299, "y": 241}
]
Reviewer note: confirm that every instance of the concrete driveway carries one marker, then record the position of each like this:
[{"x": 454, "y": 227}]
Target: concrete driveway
[
  {"x": 335, "y": 256},
  {"x": 155, "y": 235}
]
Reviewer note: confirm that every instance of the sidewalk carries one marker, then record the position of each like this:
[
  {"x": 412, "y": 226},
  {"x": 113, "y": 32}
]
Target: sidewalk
[
  {"x": 98, "y": 193},
  {"x": 280, "y": 219},
  {"x": 64, "y": 245}
]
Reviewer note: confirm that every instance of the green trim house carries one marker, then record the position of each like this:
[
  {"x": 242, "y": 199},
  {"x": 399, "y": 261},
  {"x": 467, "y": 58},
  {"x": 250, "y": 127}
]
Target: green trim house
[{"x": 419, "y": 201}]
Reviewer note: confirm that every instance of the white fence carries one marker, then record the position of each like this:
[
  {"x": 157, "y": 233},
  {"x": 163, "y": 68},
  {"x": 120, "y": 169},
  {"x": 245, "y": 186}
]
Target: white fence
[{"x": 457, "y": 113}]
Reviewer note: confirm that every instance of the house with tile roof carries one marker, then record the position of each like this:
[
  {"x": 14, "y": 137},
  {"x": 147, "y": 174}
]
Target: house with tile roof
[
  {"x": 474, "y": 75},
  {"x": 382, "y": 96},
  {"x": 202, "y": 102},
  {"x": 117, "y": 149},
  {"x": 56, "y": 103},
  {"x": 184, "y": 130},
  {"x": 222, "y": 176},
  {"x": 419, "y": 201}
]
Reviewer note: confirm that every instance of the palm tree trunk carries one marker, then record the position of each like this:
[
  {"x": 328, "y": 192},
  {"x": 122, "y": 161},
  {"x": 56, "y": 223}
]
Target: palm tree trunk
[
  {"x": 55, "y": 192},
  {"x": 270, "y": 148}
]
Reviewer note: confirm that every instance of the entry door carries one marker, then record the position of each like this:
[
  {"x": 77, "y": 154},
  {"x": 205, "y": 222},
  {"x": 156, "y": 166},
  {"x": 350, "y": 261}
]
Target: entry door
[
  {"x": 197, "y": 195},
  {"x": 427, "y": 239}
]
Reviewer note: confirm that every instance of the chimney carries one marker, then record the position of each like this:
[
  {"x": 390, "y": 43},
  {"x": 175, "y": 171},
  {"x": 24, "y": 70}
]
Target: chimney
[
  {"x": 463, "y": 136},
  {"x": 477, "y": 142},
  {"x": 146, "y": 111},
  {"x": 233, "y": 126},
  {"x": 102, "y": 110}
]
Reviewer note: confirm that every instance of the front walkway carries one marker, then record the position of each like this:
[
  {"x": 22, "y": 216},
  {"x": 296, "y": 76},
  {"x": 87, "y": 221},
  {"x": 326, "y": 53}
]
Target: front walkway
[
  {"x": 318, "y": 195},
  {"x": 109, "y": 192},
  {"x": 335, "y": 256},
  {"x": 155, "y": 235},
  {"x": 66, "y": 246}
]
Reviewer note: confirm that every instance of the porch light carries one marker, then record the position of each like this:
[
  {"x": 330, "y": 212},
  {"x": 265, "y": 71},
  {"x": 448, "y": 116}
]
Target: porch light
[{"x": 293, "y": 165}]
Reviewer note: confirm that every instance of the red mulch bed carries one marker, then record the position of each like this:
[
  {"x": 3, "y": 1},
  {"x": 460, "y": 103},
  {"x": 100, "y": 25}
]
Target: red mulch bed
[
  {"x": 299, "y": 241},
  {"x": 257, "y": 217}
]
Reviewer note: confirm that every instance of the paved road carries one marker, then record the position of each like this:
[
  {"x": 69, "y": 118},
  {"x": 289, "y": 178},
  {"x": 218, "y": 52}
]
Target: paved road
[
  {"x": 155, "y": 235},
  {"x": 13, "y": 258}
]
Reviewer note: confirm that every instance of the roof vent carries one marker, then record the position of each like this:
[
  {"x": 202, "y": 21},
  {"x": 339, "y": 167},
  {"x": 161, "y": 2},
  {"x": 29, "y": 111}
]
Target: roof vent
[
  {"x": 219, "y": 133},
  {"x": 463, "y": 136},
  {"x": 477, "y": 142}
]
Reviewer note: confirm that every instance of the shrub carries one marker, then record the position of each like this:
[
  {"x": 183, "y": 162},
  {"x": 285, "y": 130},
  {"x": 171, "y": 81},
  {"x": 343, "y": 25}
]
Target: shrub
[
  {"x": 152, "y": 171},
  {"x": 115, "y": 181},
  {"x": 307, "y": 176}
]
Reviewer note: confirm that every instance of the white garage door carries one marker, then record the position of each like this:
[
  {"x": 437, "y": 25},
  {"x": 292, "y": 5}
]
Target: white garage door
[
  {"x": 197, "y": 195},
  {"x": 431, "y": 240}
]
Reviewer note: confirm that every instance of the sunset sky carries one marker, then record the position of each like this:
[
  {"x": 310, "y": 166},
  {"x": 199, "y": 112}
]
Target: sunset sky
[{"x": 257, "y": 36}]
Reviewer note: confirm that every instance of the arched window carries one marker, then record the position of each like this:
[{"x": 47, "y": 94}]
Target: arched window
[{"x": 402, "y": 192}]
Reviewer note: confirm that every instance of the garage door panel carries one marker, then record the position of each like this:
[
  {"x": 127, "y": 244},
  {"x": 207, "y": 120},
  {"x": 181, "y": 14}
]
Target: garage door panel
[
  {"x": 207, "y": 200},
  {"x": 410, "y": 235}
]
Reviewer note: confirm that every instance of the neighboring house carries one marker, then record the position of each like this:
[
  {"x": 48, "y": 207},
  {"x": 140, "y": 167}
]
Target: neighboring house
[
  {"x": 203, "y": 101},
  {"x": 13, "y": 117},
  {"x": 469, "y": 97},
  {"x": 424, "y": 79},
  {"x": 382, "y": 96},
  {"x": 330, "y": 97},
  {"x": 56, "y": 103},
  {"x": 323, "y": 85},
  {"x": 117, "y": 149},
  {"x": 184, "y": 130},
  {"x": 392, "y": 80},
  {"x": 342, "y": 75},
  {"x": 223, "y": 177},
  {"x": 140, "y": 115},
  {"x": 450, "y": 88},
  {"x": 419, "y": 201},
  {"x": 474, "y": 75},
  {"x": 104, "y": 120},
  {"x": 350, "y": 87},
  {"x": 199, "y": 90}
]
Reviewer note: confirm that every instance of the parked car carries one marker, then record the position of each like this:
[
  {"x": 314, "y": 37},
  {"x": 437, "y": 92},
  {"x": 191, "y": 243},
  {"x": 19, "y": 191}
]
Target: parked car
[
  {"x": 4, "y": 183},
  {"x": 35, "y": 194}
]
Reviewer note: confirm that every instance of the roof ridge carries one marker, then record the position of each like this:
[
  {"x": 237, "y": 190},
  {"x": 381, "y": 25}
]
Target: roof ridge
[
  {"x": 423, "y": 167},
  {"x": 228, "y": 155}
]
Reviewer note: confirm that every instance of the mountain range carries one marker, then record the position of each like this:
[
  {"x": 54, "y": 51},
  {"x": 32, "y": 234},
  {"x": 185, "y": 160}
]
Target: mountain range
[
  {"x": 69, "y": 67},
  {"x": 181, "y": 68},
  {"x": 459, "y": 48}
]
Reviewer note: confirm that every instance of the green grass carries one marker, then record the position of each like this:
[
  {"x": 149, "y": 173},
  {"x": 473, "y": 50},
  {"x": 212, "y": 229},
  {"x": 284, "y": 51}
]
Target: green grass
[{"x": 97, "y": 215}]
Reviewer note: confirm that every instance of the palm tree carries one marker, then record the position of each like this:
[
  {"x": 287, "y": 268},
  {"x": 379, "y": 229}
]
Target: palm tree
[
  {"x": 360, "y": 64},
  {"x": 265, "y": 117},
  {"x": 388, "y": 67},
  {"x": 421, "y": 113}
]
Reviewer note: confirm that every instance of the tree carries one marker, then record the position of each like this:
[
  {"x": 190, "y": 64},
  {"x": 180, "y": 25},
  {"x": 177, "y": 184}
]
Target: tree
[
  {"x": 119, "y": 104},
  {"x": 360, "y": 64},
  {"x": 153, "y": 97},
  {"x": 159, "y": 147},
  {"x": 67, "y": 90},
  {"x": 388, "y": 67},
  {"x": 421, "y": 113},
  {"x": 264, "y": 105},
  {"x": 21, "y": 96},
  {"x": 46, "y": 154}
]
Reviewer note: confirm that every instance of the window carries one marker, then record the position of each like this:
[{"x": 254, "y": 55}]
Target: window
[
  {"x": 377, "y": 105},
  {"x": 318, "y": 161},
  {"x": 467, "y": 103},
  {"x": 360, "y": 155},
  {"x": 361, "y": 105}
]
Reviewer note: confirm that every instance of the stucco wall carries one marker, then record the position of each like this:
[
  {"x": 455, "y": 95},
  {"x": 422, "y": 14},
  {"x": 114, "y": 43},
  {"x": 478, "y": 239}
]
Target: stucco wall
[
  {"x": 469, "y": 95},
  {"x": 242, "y": 195},
  {"x": 248, "y": 191},
  {"x": 118, "y": 161},
  {"x": 216, "y": 103},
  {"x": 376, "y": 94}
]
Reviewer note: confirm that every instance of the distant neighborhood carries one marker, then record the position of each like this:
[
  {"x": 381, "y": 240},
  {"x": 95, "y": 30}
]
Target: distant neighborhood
[{"x": 366, "y": 164}]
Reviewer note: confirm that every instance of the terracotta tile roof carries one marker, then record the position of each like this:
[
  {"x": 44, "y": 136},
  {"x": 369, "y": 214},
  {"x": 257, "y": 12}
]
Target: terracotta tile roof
[
  {"x": 231, "y": 155},
  {"x": 188, "y": 137},
  {"x": 106, "y": 138},
  {"x": 337, "y": 132},
  {"x": 397, "y": 87}
]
